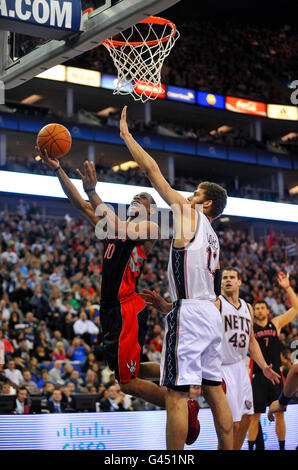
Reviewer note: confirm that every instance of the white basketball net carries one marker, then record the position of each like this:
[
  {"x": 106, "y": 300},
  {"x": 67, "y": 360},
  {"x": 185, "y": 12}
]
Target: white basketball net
[{"x": 139, "y": 57}]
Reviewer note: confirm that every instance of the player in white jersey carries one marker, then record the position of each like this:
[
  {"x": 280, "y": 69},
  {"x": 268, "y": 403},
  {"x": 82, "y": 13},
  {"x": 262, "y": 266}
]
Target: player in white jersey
[
  {"x": 192, "y": 348},
  {"x": 238, "y": 340}
]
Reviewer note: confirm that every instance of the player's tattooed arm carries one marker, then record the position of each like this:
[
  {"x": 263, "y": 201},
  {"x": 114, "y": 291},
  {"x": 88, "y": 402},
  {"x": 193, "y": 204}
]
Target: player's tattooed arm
[
  {"x": 149, "y": 166},
  {"x": 281, "y": 320},
  {"x": 155, "y": 300},
  {"x": 68, "y": 187}
]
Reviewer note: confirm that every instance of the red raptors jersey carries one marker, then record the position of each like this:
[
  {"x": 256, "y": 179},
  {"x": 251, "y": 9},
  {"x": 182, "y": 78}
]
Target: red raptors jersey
[{"x": 122, "y": 263}]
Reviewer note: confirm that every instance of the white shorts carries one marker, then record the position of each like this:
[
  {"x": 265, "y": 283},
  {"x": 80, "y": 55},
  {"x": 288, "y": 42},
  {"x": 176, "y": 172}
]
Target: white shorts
[
  {"x": 239, "y": 390},
  {"x": 192, "y": 344}
]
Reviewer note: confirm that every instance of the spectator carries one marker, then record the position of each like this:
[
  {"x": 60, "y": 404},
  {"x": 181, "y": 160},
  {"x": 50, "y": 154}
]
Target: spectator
[
  {"x": 6, "y": 389},
  {"x": 55, "y": 403},
  {"x": 78, "y": 350},
  {"x": 114, "y": 400},
  {"x": 59, "y": 353},
  {"x": 76, "y": 380},
  {"x": 55, "y": 373},
  {"x": 91, "y": 379},
  {"x": 21, "y": 402},
  {"x": 43, "y": 379},
  {"x": 29, "y": 384},
  {"x": 42, "y": 355},
  {"x": 57, "y": 337},
  {"x": 85, "y": 328},
  {"x": 14, "y": 375}
]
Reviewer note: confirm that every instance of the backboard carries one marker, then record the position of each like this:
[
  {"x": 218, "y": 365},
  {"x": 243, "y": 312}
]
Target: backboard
[{"x": 108, "y": 18}]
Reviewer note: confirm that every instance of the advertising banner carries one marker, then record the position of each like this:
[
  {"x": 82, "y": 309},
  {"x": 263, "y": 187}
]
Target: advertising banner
[
  {"x": 134, "y": 430},
  {"x": 240, "y": 105},
  {"x": 276, "y": 111},
  {"x": 48, "y": 18},
  {"x": 150, "y": 89},
  {"x": 181, "y": 94},
  {"x": 110, "y": 83},
  {"x": 211, "y": 100}
]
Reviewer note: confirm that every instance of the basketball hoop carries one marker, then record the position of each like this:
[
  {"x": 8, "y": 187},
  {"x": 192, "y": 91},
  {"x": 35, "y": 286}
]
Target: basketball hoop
[{"x": 139, "y": 56}]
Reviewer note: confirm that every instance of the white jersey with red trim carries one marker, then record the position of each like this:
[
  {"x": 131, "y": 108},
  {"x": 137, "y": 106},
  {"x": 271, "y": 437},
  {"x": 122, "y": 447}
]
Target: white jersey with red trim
[
  {"x": 191, "y": 269},
  {"x": 236, "y": 330}
]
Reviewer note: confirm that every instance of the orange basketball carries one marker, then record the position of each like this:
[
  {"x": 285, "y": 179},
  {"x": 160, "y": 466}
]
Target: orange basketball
[{"x": 56, "y": 139}]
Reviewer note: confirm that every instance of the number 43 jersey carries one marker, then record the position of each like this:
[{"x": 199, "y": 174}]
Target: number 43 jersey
[{"x": 236, "y": 330}]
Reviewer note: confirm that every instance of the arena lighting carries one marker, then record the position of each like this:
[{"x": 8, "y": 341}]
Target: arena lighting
[
  {"x": 49, "y": 186},
  {"x": 32, "y": 99}
]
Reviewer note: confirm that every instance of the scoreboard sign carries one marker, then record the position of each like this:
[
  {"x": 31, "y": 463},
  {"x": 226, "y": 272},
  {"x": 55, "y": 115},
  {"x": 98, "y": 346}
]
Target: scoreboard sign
[{"x": 49, "y": 19}]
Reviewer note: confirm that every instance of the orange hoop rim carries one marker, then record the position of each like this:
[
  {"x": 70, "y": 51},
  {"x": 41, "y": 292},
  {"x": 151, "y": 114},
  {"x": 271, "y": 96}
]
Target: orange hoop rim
[{"x": 151, "y": 20}]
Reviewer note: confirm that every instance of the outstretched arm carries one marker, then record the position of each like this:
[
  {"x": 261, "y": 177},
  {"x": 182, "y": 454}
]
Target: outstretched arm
[
  {"x": 257, "y": 355},
  {"x": 290, "y": 387},
  {"x": 123, "y": 229},
  {"x": 281, "y": 320},
  {"x": 149, "y": 166},
  {"x": 69, "y": 189}
]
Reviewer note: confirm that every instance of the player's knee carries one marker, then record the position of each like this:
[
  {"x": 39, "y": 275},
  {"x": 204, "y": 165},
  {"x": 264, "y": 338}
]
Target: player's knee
[
  {"x": 236, "y": 427},
  {"x": 130, "y": 388}
]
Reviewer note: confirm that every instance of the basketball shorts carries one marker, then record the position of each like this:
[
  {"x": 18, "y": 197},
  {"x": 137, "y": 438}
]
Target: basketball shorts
[
  {"x": 264, "y": 392},
  {"x": 191, "y": 353},
  {"x": 124, "y": 327},
  {"x": 239, "y": 389}
]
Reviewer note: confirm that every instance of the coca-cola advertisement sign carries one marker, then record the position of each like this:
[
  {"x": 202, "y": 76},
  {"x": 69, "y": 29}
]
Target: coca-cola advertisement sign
[
  {"x": 240, "y": 105},
  {"x": 150, "y": 89}
]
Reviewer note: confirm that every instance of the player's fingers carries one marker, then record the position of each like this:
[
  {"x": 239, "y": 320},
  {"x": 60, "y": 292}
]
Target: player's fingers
[
  {"x": 80, "y": 174},
  {"x": 147, "y": 291}
]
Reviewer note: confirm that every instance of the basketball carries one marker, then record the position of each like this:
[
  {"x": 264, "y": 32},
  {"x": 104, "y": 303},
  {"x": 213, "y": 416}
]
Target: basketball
[{"x": 56, "y": 139}]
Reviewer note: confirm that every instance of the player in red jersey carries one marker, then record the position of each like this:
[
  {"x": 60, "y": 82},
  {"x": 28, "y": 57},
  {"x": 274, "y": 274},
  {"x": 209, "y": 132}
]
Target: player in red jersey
[
  {"x": 123, "y": 313},
  {"x": 267, "y": 334}
]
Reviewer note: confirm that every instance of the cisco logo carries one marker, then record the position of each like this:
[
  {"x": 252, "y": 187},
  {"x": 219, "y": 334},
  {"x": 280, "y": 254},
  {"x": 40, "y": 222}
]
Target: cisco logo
[{"x": 83, "y": 438}]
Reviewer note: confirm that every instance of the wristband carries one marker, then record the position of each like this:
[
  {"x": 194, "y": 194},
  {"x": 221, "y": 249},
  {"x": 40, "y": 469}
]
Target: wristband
[
  {"x": 283, "y": 400},
  {"x": 89, "y": 190},
  {"x": 56, "y": 169}
]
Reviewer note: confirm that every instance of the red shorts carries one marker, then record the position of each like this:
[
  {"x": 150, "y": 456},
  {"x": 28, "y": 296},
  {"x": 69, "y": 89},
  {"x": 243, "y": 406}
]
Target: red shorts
[{"x": 124, "y": 326}]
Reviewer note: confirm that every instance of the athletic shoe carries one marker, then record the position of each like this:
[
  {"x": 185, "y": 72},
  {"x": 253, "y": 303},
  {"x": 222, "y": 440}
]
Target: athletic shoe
[{"x": 193, "y": 422}]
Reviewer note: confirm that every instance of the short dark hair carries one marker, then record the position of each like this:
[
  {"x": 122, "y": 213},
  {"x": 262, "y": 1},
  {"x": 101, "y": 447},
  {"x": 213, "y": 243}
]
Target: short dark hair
[
  {"x": 231, "y": 268},
  {"x": 217, "y": 194},
  {"x": 260, "y": 301}
]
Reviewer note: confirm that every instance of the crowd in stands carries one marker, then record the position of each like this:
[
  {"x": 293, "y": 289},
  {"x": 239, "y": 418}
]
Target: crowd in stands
[{"x": 50, "y": 277}]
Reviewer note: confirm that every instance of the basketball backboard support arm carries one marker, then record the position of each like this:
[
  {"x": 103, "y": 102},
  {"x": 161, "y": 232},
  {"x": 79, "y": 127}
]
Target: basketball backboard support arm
[{"x": 97, "y": 26}]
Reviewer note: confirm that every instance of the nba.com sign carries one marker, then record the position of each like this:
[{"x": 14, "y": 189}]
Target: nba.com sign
[{"x": 50, "y": 15}]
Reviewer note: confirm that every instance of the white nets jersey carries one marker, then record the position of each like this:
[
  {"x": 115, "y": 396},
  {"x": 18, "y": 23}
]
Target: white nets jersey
[
  {"x": 236, "y": 329},
  {"x": 191, "y": 269}
]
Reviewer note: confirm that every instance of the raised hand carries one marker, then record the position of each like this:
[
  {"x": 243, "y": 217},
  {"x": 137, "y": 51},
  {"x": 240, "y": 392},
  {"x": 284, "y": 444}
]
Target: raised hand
[
  {"x": 89, "y": 178},
  {"x": 124, "y": 132},
  {"x": 283, "y": 280},
  {"x": 53, "y": 163}
]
